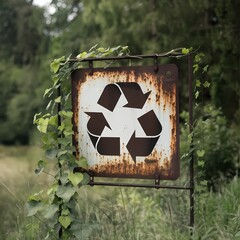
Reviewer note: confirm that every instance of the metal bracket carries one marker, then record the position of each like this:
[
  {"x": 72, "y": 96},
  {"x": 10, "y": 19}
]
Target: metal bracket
[
  {"x": 157, "y": 181},
  {"x": 91, "y": 67},
  {"x": 91, "y": 180},
  {"x": 156, "y": 63}
]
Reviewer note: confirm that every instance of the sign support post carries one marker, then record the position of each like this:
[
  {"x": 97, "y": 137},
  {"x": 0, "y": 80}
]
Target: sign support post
[
  {"x": 121, "y": 89},
  {"x": 191, "y": 167}
]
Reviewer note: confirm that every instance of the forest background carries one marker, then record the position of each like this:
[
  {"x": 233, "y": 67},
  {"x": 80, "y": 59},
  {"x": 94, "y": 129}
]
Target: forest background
[{"x": 31, "y": 37}]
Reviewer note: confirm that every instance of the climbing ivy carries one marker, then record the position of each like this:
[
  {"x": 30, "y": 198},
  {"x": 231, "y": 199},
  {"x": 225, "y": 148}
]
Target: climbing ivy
[
  {"x": 57, "y": 204},
  {"x": 196, "y": 137}
]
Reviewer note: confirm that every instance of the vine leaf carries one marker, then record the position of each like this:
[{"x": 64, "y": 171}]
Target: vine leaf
[
  {"x": 75, "y": 178},
  {"x": 185, "y": 51},
  {"x": 42, "y": 125},
  {"x": 198, "y": 83},
  {"x": 200, "y": 153},
  {"x": 65, "y": 221},
  {"x": 49, "y": 210},
  {"x": 55, "y": 64},
  {"x": 206, "y": 84},
  {"x": 33, "y": 207},
  {"x": 58, "y": 99},
  {"x": 201, "y": 163},
  {"x": 82, "y": 162},
  {"x": 51, "y": 153},
  {"x": 86, "y": 179},
  {"x": 41, "y": 165},
  {"x": 65, "y": 192}
]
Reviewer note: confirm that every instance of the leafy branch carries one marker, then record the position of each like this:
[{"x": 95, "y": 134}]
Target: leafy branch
[{"x": 57, "y": 203}]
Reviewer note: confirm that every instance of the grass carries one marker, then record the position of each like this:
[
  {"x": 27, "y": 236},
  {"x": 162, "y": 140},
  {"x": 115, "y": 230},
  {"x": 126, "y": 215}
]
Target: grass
[
  {"x": 109, "y": 213},
  {"x": 17, "y": 182}
]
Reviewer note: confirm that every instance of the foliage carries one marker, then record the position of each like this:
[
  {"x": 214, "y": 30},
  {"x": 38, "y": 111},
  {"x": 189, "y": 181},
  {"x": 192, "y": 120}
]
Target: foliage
[
  {"x": 115, "y": 213},
  {"x": 31, "y": 37},
  {"x": 59, "y": 207}
]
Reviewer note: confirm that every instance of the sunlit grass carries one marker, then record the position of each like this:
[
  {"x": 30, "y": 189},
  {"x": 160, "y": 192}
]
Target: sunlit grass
[
  {"x": 17, "y": 182},
  {"x": 114, "y": 213}
]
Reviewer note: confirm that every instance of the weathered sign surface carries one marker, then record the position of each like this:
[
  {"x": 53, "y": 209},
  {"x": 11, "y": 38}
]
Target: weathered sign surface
[{"x": 126, "y": 121}]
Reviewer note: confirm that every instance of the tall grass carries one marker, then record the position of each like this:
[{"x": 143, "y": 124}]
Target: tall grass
[
  {"x": 124, "y": 213},
  {"x": 109, "y": 213},
  {"x": 17, "y": 182}
]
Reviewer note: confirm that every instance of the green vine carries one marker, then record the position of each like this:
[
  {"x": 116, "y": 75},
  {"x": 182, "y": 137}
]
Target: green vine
[
  {"x": 199, "y": 71},
  {"x": 196, "y": 138},
  {"x": 57, "y": 205}
]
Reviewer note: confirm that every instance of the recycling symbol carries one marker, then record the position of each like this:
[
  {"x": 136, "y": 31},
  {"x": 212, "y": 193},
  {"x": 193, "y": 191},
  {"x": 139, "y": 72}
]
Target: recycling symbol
[{"x": 136, "y": 99}]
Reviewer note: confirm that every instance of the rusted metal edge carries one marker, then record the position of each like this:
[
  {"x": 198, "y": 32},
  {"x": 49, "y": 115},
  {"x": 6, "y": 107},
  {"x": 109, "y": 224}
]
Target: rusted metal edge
[
  {"x": 136, "y": 176},
  {"x": 110, "y": 184},
  {"x": 191, "y": 164},
  {"x": 136, "y": 57}
]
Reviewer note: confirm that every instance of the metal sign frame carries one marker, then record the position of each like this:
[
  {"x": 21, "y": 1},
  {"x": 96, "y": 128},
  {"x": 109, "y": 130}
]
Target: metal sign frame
[
  {"x": 152, "y": 104},
  {"x": 156, "y": 184}
]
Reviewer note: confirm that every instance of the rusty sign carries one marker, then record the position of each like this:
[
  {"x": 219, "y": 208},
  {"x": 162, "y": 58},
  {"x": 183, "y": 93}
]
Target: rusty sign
[{"x": 126, "y": 121}]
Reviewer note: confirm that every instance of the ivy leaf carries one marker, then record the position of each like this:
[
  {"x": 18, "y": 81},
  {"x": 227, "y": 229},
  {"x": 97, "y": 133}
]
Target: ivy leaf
[
  {"x": 200, "y": 153},
  {"x": 33, "y": 207},
  {"x": 61, "y": 128},
  {"x": 53, "y": 189},
  {"x": 36, "y": 196},
  {"x": 60, "y": 153},
  {"x": 185, "y": 51},
  {"x": 86, "y": 179},
  {"x": 53, "y": 121},
  {"x": 49, "y": 210},
  {"x": 64, "y": 178},
  {"x": 55, "y": 64},
  {"x": 68, "y": 133},
  {"x": 41, "y": 165},
  {"x": 47, "y": 91},
  {"x": 101, "y": 49},
  {"x": 51, "y": 153},
  {"x": 42, "y": 125},
  {"x": 68, "y": 114},
  {"x": 197, "y": 94},
  {"x": 198, "y": 83},
  {"x": 65, "y": 221},
  {"x": 58, "y": 99},
  {"x": 75, "y": 178},
  {"x": 205, "y": 68},
  {"x": 201, "y": 163},
  {"x": 64, "y": 142},
  {"x": 82, "y": 55},
  {"x": 49, "y": 105},
  {"x": 82, "y": 162},
  {"x": 65, "y": 192},
  {"x": 35, "y": 118},
  {"x": 65, "y": 212},
  {"x": 55, "y": 79},
  {"x": 195, "y": 68},
  {"x": 206, "y": 84}
]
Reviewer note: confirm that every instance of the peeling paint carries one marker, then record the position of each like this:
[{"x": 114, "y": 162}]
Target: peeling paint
[{"x": 163, "y": 161}]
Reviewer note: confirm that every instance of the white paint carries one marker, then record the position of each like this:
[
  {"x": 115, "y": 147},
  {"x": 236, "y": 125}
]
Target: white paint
[{"x": 123, "y": 121}]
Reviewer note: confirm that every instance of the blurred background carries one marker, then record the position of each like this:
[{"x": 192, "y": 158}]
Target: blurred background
[{"x": 33, "y": 33}]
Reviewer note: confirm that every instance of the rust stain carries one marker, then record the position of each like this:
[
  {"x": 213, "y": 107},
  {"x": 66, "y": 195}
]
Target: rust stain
[{"x": 163, "y": 163}]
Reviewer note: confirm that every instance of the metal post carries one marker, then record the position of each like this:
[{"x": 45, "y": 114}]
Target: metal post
[
  {"x": 59, "y": 165},
  {"x": 191, "y": 165}
]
